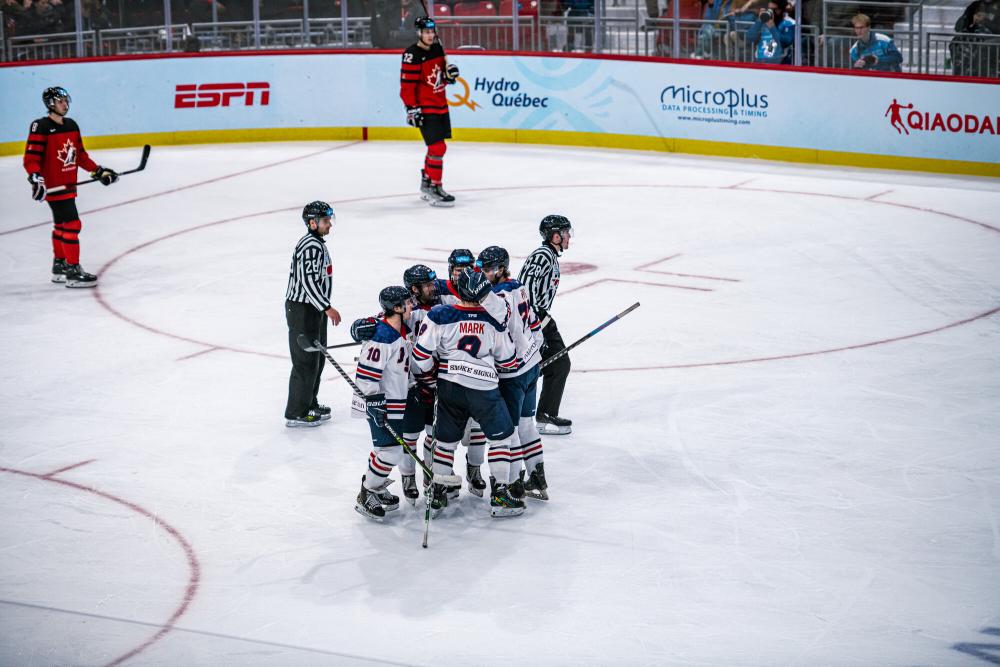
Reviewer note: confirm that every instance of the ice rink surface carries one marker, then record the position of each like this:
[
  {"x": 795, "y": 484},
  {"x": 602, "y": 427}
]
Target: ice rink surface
[{"x": 788, "y": 455}]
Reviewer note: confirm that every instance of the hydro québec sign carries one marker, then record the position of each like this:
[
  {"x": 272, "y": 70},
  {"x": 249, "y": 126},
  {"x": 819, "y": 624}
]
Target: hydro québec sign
[{"x": 196, "y": 96}]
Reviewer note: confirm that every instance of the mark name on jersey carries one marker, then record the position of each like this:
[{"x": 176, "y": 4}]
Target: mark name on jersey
[{"x": 472, "y": 327}]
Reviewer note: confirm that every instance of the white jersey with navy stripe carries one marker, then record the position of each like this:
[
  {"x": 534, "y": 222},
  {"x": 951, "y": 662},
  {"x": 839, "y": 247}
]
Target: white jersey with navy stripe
[
  {"x": 384, "y": 367},
  {"x": 417, "y": 317},
  {"x": 524, "y": 327},
  {"x": 469, "y": 344},
  {"x": 497, "y": 307}
]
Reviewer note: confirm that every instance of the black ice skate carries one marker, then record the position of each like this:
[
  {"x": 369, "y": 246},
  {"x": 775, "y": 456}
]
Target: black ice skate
[
  {"x": 322, "y": 411},
  {"x": 553, "y": 425},
  {"x": 535, "y": 486},
  {"x": 368, "y": 505},
  {"x": 390, "y": 502},
  {"x": 425, "y": 186},
  {"x": 504, "y": 504},
  {"x": 438, "y": 197},
  {"x": 439, "y": 499},
  {"x": 517, "y": 486},
  {"x": 77, "y": 277},
  {"x": 410, "y": 491},
  {"x": 58, "y": 270},
  {"x": 476, "y": 483},
  {"x": 310, "y": 419}
]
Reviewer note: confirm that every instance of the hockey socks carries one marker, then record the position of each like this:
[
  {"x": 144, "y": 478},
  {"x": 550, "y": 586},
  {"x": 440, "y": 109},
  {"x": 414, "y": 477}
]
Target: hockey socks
[{"x": 434, "y": 162}]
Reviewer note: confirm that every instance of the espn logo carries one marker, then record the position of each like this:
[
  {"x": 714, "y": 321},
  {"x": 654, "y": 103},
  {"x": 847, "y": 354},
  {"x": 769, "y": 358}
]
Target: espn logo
[{"x": 191, "y": 96}]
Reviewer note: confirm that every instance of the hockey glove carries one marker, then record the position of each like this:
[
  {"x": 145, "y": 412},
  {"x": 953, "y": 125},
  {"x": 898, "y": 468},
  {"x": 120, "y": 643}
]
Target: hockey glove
[
  {"x": 38, "y": 188},
  {"x": 104, "y": 175},
  {"x": 414, "y": 116},
  {"x": 479, "y": 286},
  {"x": 363, "y": 329},
  {"x": 375, "y": 407},
  {"x": 451, "y": 73},
  {"x": 425, "y": 394}
]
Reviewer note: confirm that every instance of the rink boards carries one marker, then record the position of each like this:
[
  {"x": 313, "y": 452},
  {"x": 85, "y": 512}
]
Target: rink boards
[{"x": 830, "y": 117}]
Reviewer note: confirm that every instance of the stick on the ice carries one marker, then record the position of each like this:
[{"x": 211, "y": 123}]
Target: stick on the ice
[
  {"x": 142, "y": 165},
  {"x": 316, "y": 346},
  {"x": 596, "y": 331}
]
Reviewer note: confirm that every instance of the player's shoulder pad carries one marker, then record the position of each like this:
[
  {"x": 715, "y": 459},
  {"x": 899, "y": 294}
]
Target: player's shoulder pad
[
  {"x": 437, "y": 51},
  {"x": 385, "y": 334},
  {"x": 70, "y": 125},
  {"x": 441, "y": 315},
  {"x": 41, "y": 124},
  {"x": 509, "y": 285},
  {"x": 412, "y": 49}
]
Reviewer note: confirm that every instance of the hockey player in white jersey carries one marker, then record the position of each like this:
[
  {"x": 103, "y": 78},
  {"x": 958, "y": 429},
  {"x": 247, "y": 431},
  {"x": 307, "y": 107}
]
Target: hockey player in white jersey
[
  {"x": 469, "y": 346},
  {"x": 421, "y": 284},
  {"x": 518, "y": 386},
  {"x": 383, "y": 376}
]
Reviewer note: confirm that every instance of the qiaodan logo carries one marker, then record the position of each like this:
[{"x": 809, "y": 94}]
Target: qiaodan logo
[{"x": 935, "y": 121}]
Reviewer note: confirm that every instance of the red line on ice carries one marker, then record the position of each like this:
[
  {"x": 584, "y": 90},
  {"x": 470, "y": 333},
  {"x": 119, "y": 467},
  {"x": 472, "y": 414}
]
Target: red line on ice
[
  {"x": 194, "y": 567},
  {"x": 67, "y": 468}
]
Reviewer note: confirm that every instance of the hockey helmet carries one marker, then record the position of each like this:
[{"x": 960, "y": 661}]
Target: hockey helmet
[
  {"x": 316, "y": 210},
  {"x": 51, "y": 95},
  {"x": 417, "y": 275},
  {"x": 472, "y": 285},
  {"x": 425, "y": 23},
  {"x": 554, "y": 223},
  {"x": 392, "y": 297},
  {"x": 460, "y": 257},
  {"x": 493, "y": 257}
]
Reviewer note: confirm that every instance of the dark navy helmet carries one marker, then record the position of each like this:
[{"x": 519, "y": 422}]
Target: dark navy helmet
[
  {"x": 493, "y": 257},
  {"x": 472, "y": 285},
  {"x": 460, "y": 257},
  {"x": 554, "y": 223},
  {"x": 316, "y": 210},
  {"x": 392, "y": 297},
  {"x": 418, "y": 274},
  {"x": 50, "y": 95},
  {"x": 425, "y": 23}
]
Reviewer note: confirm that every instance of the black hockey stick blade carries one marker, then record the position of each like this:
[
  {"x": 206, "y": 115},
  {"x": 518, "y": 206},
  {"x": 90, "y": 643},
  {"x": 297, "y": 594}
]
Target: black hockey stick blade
[{"x": 306, "y": 344}]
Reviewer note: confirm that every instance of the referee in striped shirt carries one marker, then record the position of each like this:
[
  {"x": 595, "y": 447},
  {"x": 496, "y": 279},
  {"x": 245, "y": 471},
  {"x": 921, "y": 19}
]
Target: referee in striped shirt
[{"x": 307, "y": 305}]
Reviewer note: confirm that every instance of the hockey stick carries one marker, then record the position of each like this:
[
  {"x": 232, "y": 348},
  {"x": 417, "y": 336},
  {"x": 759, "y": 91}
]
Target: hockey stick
[
  {"x": 316, "y": 346},
  {"x": 593, "y": 333},
  {"x": 142, "y": 165},
  {"x": 334, "y": 347}
]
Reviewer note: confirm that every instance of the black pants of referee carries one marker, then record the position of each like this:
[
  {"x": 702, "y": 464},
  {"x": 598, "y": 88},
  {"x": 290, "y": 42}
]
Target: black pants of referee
[
  {"x": 307, "y": 367},
  {"x": 555, "y": 374}
]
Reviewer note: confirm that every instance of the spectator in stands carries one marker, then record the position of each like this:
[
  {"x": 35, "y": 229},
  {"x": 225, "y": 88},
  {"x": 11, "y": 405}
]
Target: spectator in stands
[
  {"x": 581, "y": 23},
  {"x": 739, "y": 19},
  {"x": 15, "y": 16},
  {"x": 773, "y": 35},
  {"x": 713, "y": 12},
  {"x": 97, "y": 15},
  {"x": 975, "y": 51},
  {"x": 873, "y": 50},
  {"x": 45, "y": 17}
]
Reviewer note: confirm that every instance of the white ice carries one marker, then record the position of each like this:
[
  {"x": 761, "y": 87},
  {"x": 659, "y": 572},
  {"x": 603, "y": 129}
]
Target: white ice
[{"x": 834, "y": 502}]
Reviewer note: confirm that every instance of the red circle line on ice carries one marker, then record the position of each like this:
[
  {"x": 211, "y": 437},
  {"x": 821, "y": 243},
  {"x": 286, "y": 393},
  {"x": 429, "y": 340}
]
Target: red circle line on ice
[
  {"x": 194, "y": 567},
  {"x": 742, "y": 186}
]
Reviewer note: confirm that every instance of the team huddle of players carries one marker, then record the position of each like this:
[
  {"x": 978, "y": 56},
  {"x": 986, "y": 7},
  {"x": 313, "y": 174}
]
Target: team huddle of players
[{"x": 456, "y": 360}]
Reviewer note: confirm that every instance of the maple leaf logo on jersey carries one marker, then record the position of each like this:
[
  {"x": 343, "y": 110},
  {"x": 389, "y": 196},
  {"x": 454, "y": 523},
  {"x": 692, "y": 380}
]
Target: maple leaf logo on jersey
[
  {"x": 67, "y": 154},
  {"x": 435, "y": 80}
]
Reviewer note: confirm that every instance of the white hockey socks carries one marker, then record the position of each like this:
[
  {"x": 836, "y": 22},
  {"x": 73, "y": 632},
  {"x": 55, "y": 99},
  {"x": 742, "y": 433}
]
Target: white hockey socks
[
  {"x": 407, "y": 466},
  {"x": 531, "y": 443},
  {"x": 444, "y": 457},
  {"x": 380, "y": 463},
  {"x": 499, "y": 458}
]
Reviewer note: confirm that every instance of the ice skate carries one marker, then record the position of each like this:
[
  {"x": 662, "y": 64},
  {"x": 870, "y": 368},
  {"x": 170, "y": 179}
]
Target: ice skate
[
  {"x": 503, "y": 504},
  {"x": 438, "y": 197},
  {"x": 476, "y": 483},
  {"x": 310, "y": 419},
  {"x": 517, "y": 486},
  {"x": 553, "y": 425},
  {"x": 535, "y": 486},
  {"x": 410, "y": 491},
  {"x": 77, "y": 277},
  {"x": 439, "y": 499},
  {"x": 58, "y": 270},
  {"x": 389, "y": 501},
  {"x": 425, "y": 186},
  {"x": 368, "y": 505},
  {"x": 322, "y": 411}
]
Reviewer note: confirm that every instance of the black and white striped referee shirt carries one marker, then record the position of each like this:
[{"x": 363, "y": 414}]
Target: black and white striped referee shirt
[
  {"x": 309, "y": 274},
  {"x": 540, "y": 274}
]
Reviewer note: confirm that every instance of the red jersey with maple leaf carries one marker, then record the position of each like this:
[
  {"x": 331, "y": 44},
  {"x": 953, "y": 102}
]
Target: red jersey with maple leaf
[
  {"x": 56, "y": 151},
  {"x": 421, "y": 79}
]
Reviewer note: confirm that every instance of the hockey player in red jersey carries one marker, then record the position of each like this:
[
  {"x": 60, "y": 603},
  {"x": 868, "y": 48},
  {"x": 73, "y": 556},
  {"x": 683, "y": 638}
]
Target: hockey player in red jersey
[
  {"x": 52, "y": 155},
  {"x": 422, "y": 79}
]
